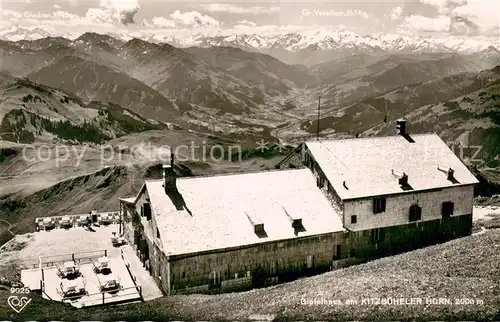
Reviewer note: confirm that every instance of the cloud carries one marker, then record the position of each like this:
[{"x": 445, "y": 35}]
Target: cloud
[
  {"x": 100, "y": 15},
  {"x": 444, "y": 6},
  {"x": 427, "y": 24},
  {"x": 230, "y": 8},
  {"x": 365, "y": 15},
  {"x": 123, "y": 10},
  {"x": 56, "y": 6},
  {"x": 194, "y": 19},
  {"x": 469, "y": 17},
  {"x": 163, "y": 22},
  {"x": 246, "y": 23},
  {"x": 396, "y": 13}
]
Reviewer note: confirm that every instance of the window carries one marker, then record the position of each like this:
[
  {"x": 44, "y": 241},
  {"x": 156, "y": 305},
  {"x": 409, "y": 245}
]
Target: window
[
  {"x": 377, "y": 235},
  {"x": 415, "y": 213},
  {"x": 310, "y": 261},
  {"x": 147, "y": 210},
  {"x": 378, "y": 205},
  {"x": 447, "y": 209},
  {"x": 157, "y": 233},
  {"x": 320, "y": 181},
  {"x": 354, "y": 219},
  {"x": 336, "y": 255},
  {"x": 214, "y": 277}
]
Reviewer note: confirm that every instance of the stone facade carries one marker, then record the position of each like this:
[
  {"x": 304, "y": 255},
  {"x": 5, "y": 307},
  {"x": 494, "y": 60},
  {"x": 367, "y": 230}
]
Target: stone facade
[
  {"x": 397, "y": 207},
  {"x": 268, "y": 263}
]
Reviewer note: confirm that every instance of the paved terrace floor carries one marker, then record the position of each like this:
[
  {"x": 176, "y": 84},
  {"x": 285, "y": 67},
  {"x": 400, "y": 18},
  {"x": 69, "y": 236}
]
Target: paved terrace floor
[
  {"x": 119, "y": 270},
  {"x": 149, "y": 290},
  {"x": 51, "y": 244}
]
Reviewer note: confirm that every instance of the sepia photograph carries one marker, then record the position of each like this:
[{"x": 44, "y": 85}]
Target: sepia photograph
[{"x": 241, "y": 160}]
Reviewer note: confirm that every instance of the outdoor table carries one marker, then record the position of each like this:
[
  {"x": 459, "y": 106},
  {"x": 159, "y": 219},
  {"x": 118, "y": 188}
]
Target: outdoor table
[
  {"x": 103, "y": 261},
  {"x": 82, "y": 220},
  {"x": 69, "y": 267},
  {"x": 108, "y": 281},
  {"x": 105, "y": 218},
  {"x": 65, "y": 220},
  {"x": 116, "y": 241},
  {"x": 72, "y": 286}
]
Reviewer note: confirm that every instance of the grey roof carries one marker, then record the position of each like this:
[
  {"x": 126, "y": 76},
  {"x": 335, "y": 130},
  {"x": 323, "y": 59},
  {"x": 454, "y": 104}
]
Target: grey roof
[
  {"x": 221, "y": 210},
  {"x": 371, "y": 166}
]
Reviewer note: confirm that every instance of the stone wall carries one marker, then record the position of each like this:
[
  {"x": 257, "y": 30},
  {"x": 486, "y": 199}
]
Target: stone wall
[
  {"x": 397, "y": 207},
  {"x": 255, "y": 266},
  {"x": 276, "y": 262}
]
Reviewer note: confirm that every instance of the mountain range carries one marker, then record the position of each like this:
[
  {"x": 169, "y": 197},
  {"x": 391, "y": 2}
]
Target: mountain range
[
  {"x": 230, "y": 92},
  {"x": 305, "y": 47}
]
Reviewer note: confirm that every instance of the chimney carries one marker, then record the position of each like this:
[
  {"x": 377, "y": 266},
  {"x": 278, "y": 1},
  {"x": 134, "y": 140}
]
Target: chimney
[
  {"x": 169, "y": 179},
  {"x": 402, "y": 177},
  {"x": 401, "y": 127},
  {"x": 451, "y": 174},
  {"x": 403, "y": 180}
]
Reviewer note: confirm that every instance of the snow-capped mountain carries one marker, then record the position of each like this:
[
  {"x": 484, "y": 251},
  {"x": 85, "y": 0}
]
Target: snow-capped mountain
[
  {"x": 295, "y": 41},
  {"x": 291, "y": 41},
  {"x": 304, "y": 47},
  {"x": 16, "y": 33}
]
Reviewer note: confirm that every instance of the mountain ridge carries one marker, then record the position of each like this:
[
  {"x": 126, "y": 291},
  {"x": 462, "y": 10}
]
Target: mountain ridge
[{"x": 320, "y": 44}]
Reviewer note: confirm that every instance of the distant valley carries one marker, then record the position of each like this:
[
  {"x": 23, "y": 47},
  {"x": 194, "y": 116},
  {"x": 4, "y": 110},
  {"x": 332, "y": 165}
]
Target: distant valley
[{"x": 230, "y": 92}]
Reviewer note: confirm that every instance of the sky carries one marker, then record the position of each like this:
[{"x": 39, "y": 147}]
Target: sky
[{"x": 410, "y": 17}]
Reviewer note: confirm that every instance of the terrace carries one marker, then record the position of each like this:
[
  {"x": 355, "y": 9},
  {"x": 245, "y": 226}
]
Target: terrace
[
  {"x": 92, "y": 254},
  {"x": 84, "y": 279}
]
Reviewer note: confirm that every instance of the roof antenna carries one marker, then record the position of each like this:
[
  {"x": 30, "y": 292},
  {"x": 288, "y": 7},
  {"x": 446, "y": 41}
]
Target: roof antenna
[
  {"x": 385, "y": 117},
  {"x": 319, "y": 106}
]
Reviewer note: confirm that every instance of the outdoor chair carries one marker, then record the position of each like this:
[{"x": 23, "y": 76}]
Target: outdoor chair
[
  {"x": 101, "y": 265},
  {"x": 48, "y": 223},
  {"x": 118, "y": 240},
  {"x": 68, "y": 288},
  {"x": 109, "y": 282},
  {"x": 105, "y": 219},
  {"x": 65, "y": 222}
]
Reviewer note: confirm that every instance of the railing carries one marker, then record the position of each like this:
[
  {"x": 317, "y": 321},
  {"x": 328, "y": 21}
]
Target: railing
[
  {"x": 131, "y": 271},
  {"x": 82, "y": 257},
  {"x": 102, "y": 296},
  {"x": 42, "y": 286},
  {"x": 50, "y": 261}
]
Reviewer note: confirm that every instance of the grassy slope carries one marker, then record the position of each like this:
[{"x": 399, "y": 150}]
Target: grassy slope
[{"x": 462, "y": 268}]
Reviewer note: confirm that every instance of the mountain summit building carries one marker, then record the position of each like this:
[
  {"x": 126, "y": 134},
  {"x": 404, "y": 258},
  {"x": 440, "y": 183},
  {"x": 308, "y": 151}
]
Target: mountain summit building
[{"x": 331, "y": 204}]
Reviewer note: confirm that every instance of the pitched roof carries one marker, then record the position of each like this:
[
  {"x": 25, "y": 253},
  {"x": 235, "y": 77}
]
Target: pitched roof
[
  {"x": 367, "y": 164},
  {"x": 220, "y": 210},
  {"x": 130, "y": 200}
]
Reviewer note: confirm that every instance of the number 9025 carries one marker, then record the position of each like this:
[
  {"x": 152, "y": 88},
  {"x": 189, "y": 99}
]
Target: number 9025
[{"x": 19, "y": 290}]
